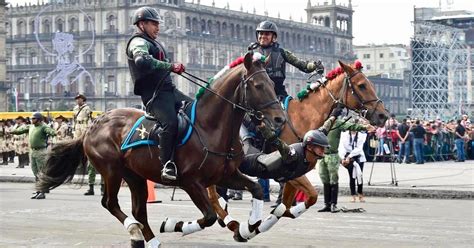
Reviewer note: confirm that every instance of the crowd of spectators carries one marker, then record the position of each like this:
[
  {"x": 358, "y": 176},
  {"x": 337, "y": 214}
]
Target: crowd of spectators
[{"x": 414, "y": 140}]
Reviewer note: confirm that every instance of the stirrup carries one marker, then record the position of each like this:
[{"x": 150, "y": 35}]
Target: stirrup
[{"x": 164, "y": 172}]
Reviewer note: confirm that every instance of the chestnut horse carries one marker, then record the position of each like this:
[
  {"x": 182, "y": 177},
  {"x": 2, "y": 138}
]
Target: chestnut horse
[
  {"x": 211, "y": 156},
  {"x": 349, "y": 87}
]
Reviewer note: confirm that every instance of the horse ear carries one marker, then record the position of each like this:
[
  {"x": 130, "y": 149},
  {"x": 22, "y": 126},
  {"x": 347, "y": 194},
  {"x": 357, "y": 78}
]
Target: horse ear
[
  {"x": 347, "y": 69},
  {"x": 248, "y": 59}
]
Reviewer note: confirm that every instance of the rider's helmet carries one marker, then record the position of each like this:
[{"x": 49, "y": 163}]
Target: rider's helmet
[
  {"x": 266, "y": 26},
  {"x": 146, "y": 14},
  {"x": 315, "y": 137}
]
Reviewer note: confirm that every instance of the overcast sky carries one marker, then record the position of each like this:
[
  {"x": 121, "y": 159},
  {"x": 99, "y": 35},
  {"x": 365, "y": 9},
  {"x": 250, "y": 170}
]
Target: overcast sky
[{"x": 374, "y": 21}]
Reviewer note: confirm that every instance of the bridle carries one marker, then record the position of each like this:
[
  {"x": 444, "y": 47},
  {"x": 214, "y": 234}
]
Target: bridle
[
  {"x": 243, "y": 105},
  {"x": 254, "y": 112},
  {"x": 362, "y": 110}
]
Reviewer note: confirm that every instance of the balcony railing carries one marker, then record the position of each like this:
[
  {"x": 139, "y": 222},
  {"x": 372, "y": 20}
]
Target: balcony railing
[{"x": 111, "y": 64}]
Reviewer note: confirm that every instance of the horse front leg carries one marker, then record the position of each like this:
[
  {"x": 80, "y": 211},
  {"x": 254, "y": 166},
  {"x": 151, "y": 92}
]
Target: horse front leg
[
  {"x": 301, "y": 183},
  {"x": 112, "y": 180},
  {"x": 198, "y": 195},
  {"x": 138, "y": 188},
  {"x": 238, "y": 181},
  {"x": 220, "y": 206}
]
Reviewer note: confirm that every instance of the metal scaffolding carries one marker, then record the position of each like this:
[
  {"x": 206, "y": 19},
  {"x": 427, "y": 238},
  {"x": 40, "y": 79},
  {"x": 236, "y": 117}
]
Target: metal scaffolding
[{"x": 439, "y": 65}]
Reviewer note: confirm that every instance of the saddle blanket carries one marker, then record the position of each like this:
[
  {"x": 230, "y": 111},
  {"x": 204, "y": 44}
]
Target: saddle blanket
[{"x": 146, "y": 131}]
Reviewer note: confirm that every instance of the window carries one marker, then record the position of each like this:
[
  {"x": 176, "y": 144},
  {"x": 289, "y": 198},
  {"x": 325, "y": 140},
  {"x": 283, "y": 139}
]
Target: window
[
  {"x": 381, "y": 55},
  {"x": 89, "y": 56},
  {"x": 46, "y": 27},
  {"x": 110, "y": 53},
  {"x": 59, "y": 25},
  {"x": 393, "y": 66},
  {"x": 73, "y": 25},
  {"x": 87, "y": 23},
  {"x": 208, "y": 58},
  {"x": 110, "y": 84},
  {"x": 390, "y": 55},
  {"x": 33, "y": 58},
  {"x": 32, "y": 26},
  {"x": 381, "y": 66},
  {"x": 367, "y": 66},
  {"x": 21, "y": 28},
  {"x": 111, "y": 23},
  {"x": 367, "y": 56},
  {"x": 399, "y": 53},
  {"x": 222, "y": 60}
]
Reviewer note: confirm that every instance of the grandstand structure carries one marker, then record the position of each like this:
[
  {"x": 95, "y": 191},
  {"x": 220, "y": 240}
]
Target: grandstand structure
[{"x": 441, "y": 70}]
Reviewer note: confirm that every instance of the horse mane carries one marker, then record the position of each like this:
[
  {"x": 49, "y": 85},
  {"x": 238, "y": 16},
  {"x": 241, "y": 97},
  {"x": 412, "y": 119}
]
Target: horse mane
[{"x": 330, "y": 76}]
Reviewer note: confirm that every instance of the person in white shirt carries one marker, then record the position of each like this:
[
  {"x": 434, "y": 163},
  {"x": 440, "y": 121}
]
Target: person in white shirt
[{"x": 352, "y": 157}]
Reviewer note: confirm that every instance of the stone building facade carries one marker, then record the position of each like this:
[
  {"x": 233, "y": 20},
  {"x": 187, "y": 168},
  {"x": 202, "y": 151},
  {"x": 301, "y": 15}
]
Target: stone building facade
[
  {"x": 4, "y": 86},
  {"x": 204, "y": 38}
]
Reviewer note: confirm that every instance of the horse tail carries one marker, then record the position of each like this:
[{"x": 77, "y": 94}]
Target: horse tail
[{"x": 62, "y": 163}]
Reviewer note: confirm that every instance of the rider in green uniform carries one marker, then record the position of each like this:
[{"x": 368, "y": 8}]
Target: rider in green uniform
[{"x": 150, "y": 69}]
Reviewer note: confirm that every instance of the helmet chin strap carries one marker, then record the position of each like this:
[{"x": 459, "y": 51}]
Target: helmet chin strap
[
  {"x": 316, "y": 155},
  {"x": 140, "y": 27}
]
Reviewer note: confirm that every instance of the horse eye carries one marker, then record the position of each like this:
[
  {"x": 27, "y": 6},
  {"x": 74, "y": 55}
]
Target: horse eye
[
  {"x": 259, "y": 86},
  {"x": 362, "y": 87}
]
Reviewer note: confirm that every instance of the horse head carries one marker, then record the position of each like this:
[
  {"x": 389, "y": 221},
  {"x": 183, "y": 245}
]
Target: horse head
[
  {"x": 258, "y": 92},
  {"x": 360, "y": 95}
]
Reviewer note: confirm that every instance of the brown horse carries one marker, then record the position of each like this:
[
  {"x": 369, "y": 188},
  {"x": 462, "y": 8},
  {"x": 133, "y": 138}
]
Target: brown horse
[
  {"x": 211, "y": 156},
  {"x": 355, "y": 92}
]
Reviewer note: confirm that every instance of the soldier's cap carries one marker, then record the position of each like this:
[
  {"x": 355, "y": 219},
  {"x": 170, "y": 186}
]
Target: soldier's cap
[
  {"x": 37, "y": 116},
  {"x": 80, "y": 96},
  {"x": 61, "y": 117},
  {"x": 20, "y": 118}
]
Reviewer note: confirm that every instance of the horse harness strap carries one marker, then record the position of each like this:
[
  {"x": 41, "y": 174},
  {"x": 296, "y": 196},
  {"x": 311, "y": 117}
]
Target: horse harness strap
[{"x": 343, "y": 96}]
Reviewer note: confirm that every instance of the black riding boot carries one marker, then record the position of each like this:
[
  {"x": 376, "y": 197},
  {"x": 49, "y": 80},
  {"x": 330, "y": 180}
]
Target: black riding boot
[
  {"x": 166, "y": 151},
  {"x": 91, "y": 190},
  {"x": 11, "y": 156},
  {"x": 334, "y": 193},
  {"x": 5, "y": 158},
  {"x": 21, "y": 161},
  {"x": 327, "y": 199}
]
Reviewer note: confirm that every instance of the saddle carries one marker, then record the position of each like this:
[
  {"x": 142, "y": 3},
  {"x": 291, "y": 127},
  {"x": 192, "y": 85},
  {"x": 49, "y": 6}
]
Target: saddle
[{"x": 146, "y": 129}]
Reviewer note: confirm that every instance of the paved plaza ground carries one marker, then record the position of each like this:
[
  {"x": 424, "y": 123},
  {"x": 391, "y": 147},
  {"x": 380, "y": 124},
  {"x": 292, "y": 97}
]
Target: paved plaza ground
[{"x": 69, "y": 219}]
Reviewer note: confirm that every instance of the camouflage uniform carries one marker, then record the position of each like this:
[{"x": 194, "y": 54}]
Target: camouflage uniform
[
  {"x": 3, "y": 134},
  {"x": 329, "y": 165},
  {"x": 61, "y": 131},
  {"x": 21, "y": 146},
  {"x": 8, "y": 147},
  {"x": 82, "y": 120}
]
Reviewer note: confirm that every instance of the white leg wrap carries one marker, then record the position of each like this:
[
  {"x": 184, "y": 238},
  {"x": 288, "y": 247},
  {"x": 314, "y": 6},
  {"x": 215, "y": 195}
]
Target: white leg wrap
[
  {"x": 279, "y": 210},
  {"x": 170, "y": 224},
  {"x": 299, "y": 209},
  {"x": 268, "y": 223},
  {"x": 153, "y": 243},
  {"x": 245, "y": 232},
  {"x": 256, "y": 213},
  {"x": 191, "y": 227},
  {"x": 130, "y": 220},
  {"x": 228, "y": 219},
  {"x": 222, "y": 203}
]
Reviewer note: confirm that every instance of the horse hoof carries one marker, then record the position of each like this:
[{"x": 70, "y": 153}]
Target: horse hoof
[
  {"x": 137, "y": 243},
  {"x": 162, "y": 227},
  {"x": 221, "y": 223},
  {"x": 239, "y": 238}
]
